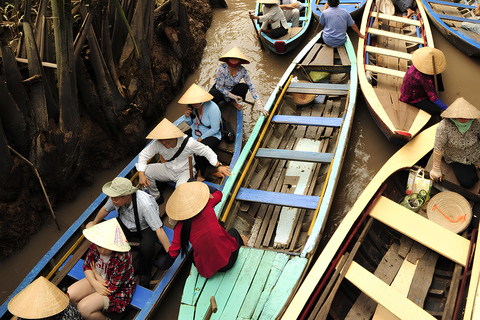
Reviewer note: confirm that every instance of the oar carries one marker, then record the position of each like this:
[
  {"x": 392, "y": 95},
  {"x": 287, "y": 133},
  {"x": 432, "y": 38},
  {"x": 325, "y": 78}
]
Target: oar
[
  {"x": 435, "y": 74},
  {"x": 255, "y": 29}
]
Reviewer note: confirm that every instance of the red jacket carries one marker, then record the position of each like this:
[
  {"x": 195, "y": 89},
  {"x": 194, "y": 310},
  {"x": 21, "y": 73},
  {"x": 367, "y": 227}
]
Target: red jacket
[{"x": 212, "y": 245}]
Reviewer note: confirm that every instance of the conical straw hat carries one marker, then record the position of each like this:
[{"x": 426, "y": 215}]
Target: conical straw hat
[
  {"x": 165, "y": 130},
  {"x": 40, "y": 299},
  {"x": 461, "y": 108},
  {"x": 422, "y": 60},
  {"x": 267, "y": 1},
  {"x": 187, "y": 200},
  {"x": 450, "y": 210},
  {"x": 109, "y": 235},
  {"x": 195, "y": 94},
  {"x": 234, "y": 53}
]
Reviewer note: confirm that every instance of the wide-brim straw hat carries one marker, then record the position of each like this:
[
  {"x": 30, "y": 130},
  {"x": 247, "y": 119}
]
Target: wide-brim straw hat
[
  {"x": 303, "y": 98},
  {"x": 422, "y": 60},
  {"x": 40, "y": 299},
  {"x": 108, "y": 235},
  {"x": 461, "y": 108},
  {"x": 267, "y": 1},
  {"x": 234, "y": 53},
  {"x": 165, "y": 130},
  {"x": 195, "y": 94},
  {"x": 119, "y": 187},
  {"x": 450, "y": 210},
  {"x": 187, "y": 200}
]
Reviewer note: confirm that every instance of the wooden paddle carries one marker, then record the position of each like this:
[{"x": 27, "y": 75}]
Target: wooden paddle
[{"x": 255, "y": 29}]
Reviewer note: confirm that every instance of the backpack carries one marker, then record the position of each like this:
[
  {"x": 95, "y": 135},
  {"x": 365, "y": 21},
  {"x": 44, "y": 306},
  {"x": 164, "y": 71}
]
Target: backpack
[{"x": 228, "y": 134}]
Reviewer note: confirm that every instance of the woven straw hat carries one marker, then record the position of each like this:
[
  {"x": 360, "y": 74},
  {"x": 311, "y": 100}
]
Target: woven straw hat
[
  {"x": 461, "y": 108},
  {"x": 187, "y": 200},
  {"x": 450, "y": 210},
  {"x": 40, "y": 299},
  {"x": 118, "y": 187},
  {"x": 165, "y": 130},
  {"x": 234, "y": 53},
  {"x": 422, "y": 60},
  {"x": 195, "y": 94},
  {"x": 267, "y": 1},
  {"x": 303, "y": 98},
  {"x": 109, "y": 235}
]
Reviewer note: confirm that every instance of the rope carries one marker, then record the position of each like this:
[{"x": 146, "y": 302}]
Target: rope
[{"x": 461, "y": 217}]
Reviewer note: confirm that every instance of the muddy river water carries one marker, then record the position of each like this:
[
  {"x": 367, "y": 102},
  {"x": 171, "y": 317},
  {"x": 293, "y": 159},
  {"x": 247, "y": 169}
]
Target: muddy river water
[{"x": 368, "y": 148}]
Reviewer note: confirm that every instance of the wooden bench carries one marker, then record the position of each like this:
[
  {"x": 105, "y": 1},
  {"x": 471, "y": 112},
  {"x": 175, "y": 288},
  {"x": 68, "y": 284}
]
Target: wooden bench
[
  {"x": 395, "y": 73},
  {"x": 395, "y": 35},
  {"x": 294, "y": 155},
  {"x": 278, "y": 198},
  {"x": 390, "y": 53},
  {"x": 318, "y": 88},
  {"x": 308, "y": 121},
  {"x": 399, "y": 19}
]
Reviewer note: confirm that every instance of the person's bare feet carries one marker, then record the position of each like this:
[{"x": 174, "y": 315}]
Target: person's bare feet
[
  {"x": 245, "y": 239},
  {"x": 410, "y": 13}
]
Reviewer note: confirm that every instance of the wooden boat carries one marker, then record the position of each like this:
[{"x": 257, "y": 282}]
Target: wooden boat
[
  {"x": 448, "y": 16},
  {"x": 354, "y": 7},
  {"x": 294, "y": 36},
  {"x": 62, "y": 264},
  {"x": 383, "y": 59},
  {"x": 284, "y": 192},
  {"x": 372, "y": 242}
]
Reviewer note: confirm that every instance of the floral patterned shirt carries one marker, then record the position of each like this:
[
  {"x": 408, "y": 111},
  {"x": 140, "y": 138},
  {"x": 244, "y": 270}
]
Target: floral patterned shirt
[
  {"x": 457, "y": 147},
  {"x": 417, "y": 86},
  {"x": 224, "y": 81},
  {"x": 121, "y": 281}
]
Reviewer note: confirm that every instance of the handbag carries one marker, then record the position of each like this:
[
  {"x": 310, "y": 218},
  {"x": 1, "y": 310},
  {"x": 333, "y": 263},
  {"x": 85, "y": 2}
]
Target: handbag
[
  {"x": 228, "y": 134},
  {"x": 417, "y": 182}
]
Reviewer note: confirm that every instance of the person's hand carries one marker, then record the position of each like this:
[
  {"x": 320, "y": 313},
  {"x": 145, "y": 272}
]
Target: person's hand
[
  {"x": 235, "y": 98},
  {"x": 259, "y": 106},
  {"x": 90, "y": 224},
  {"x": 199, "y": 139},
  {"x": 436, "y": 175},
  {"x": 252, "y": 15},
  {"x": 188, "y": 112},
  {"x": 224, "y": 171},
  {"x": 361, "y": 36},
  {"x": 142, "y": 179},
  {"x": 101, "y": 287}
]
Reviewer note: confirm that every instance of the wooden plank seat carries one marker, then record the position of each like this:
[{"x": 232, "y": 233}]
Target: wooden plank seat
[
  {"x": 399, "y": 19},
  {"x": 453, "y": 4},
  {"x": 318, "y": 88},
  {"x": 394, "y": 35},
  {"x": 308, "y": 121},
  {"x": 422, "y": 230},
  {"x": 278, "y": 198},
  {"x": 455, "y": 18},
  {"x": 390, "y": 53},
  {"x": 395, "y": 73},
  {"x": 294, "y": 155}
]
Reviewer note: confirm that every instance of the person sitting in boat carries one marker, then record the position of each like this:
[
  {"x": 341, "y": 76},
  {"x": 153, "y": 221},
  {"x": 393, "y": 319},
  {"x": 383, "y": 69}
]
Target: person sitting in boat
[
  {"x": 214, "y": 249},
  {"x": 227, "y": 85},
  {"x": 335, "y": 22},
  {"x": 457, "y": 140},
  {"x": 109, "y": 281},
  {"x": 41, "y": 299},
  {"x": 471, "y": 26},
  {"x": 137, "y": 210},
  {"x": 291, "y": 11},
  {"x": 273, "y": 20},
  {"x": 406, "y": 7},
  {"x": 418, "y": 87}
]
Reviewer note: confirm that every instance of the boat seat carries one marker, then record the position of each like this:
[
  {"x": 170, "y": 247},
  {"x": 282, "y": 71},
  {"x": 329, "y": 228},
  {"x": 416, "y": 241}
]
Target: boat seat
[
  {"x": 308, "y": 121},
  {"x": 278, "y": 198},
  {"x": 294, "y": 155},
  {"x": 390, "y": 53},
  {"x": 395, "y": 73},
  {"x": 444, "y": 16},
  {"x": 380, "y": 32},
  {"x": 318, "y": 88},
  {"x": 453, "y": 4},
  {"x": 399, "y": 19}
]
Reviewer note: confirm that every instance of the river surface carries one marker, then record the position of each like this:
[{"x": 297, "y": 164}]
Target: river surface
[{"x": 368, "y": 148}]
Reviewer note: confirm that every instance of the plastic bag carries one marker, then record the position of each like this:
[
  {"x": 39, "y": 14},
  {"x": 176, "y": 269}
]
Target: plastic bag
[
  {"x": 413, "y": 201},
  {"x": 417, "y": 182}
]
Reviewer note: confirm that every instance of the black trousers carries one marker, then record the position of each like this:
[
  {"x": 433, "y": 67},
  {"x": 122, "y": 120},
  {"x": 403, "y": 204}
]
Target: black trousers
[
  {"x": 428, "y": 106},
  {"x": 240, "y": 89},
  {"x": 466, "y": 174}
]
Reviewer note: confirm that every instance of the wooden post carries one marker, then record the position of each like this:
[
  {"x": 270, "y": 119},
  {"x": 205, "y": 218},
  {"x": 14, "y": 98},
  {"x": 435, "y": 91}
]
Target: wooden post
[
  {"x": 259, "y": 39},
  {"x": 211, "y": 309},
  {"x": 190, "y": 166}
]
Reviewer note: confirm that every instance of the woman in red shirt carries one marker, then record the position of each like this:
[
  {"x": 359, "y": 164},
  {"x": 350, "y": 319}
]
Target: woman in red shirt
[{"x": 214, "y": 249}]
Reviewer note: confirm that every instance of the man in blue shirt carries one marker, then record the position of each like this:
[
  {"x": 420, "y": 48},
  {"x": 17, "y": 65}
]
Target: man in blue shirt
[{"x": 335, "y": 22}]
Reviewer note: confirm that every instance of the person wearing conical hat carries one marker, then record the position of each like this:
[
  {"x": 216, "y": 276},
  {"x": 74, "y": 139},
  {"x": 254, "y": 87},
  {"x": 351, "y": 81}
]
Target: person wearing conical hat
[
  {"x": 457, "y": 141},
  {"x": 175, "y": 147},
  {"x": 41, "y": 299},
  {"x": 418, "y": 87},
  {"x": 228, "y": 86},
  {"x": 129, "y": 202},
  {"x": 273, "y": 20},
  {"x": 214, "y": 249},
  {"x": 109, "y": 281}
]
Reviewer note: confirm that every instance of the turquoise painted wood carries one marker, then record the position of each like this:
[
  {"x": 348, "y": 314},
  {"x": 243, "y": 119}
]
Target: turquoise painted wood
[
  {"x": 278, "y": 198},
  {"x": 282, "y": 289},
  {"x": 186, "y": 312},
  {"x": 210, "y": 289},
  {"x": 190, "y": 289},
  {"x": 199, "y": 285},
  {"x": 295, "y": 155},
  {"x": 242, "y": 285},
  {"x": 261, "y": 276},
  {"x": 308, "y": 121}
]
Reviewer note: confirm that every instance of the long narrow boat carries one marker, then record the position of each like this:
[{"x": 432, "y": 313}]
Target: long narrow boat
[
  {"x": 383, "y": 58},
  {"x": 398, "y": 263},
  {"x": 448, "y": 16},
  {"x": 294, "y": 36},
  {"x": 285, "y": 190},
  {"x": 62, "y": 264},
  {"x": 354, "y": 7}
]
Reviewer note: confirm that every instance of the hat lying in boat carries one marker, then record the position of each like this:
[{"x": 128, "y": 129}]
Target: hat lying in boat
[
  {"x": 236, "y": 54},
  {"x": 423, "y": 62},
  {"x": 195, "y": 94},
  {"x": 450, "y": 210},
  {"x": 40, "y": 299},
  {"x": 108, "y": 235},
  {"x": 461, "y": 108},
  {"x": 303, "y": 98},
  {"x": 187, "y": 200},
  {"x": 165, "y": 130},
  {"x": 267, "y": 1},
  {"x": 119, "y": 187}
]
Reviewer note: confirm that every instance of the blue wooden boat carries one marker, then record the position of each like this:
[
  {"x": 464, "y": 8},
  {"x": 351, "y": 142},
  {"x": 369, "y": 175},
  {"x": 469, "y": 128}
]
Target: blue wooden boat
[
  {"x": 62, "y": 264},
  {"x": 295, "y": 35},
  {"x": 448, "y": 17},
  {"x": 354, "y": 7},
  {"x": 283, "y": 187}
]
